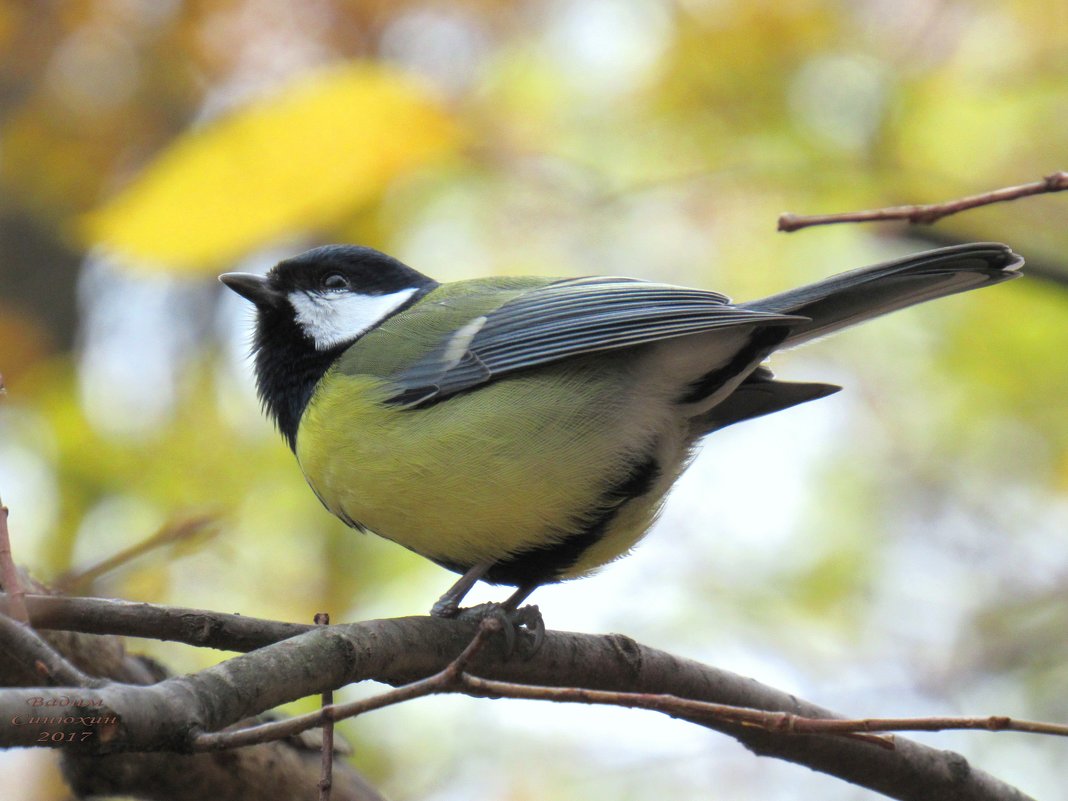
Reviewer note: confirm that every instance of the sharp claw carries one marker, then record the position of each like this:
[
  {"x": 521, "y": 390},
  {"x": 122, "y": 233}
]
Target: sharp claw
[
  {"x": 535, "y": 624},
  {"x": 508, "y": 629},
  {"x": 527, "y": 619}
]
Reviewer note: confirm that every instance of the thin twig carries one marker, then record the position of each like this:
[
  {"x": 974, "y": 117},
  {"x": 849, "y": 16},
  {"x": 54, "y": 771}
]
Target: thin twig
[
  {"x": 445, "y": 680},
  {"x": 326, "y": 778},
  {"x": 169, "y": 533},
  {"x": 10, "y": 574},
  {"x": 671, "y": 705},
  {"x": 776, "y": 722},
  {"x": 929, "y": 213},
  {"x": 991, "y": 723}
]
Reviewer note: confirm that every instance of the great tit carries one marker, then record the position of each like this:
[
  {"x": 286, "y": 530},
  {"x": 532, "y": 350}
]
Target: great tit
[{"x": 522, "y": 431}]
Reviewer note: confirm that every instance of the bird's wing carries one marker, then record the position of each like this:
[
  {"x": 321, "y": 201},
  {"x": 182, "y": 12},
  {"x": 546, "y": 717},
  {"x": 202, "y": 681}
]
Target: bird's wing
[{"x": 564, "y": 319}]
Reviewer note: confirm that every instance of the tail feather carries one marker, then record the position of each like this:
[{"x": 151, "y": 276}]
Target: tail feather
[
  {"x": 853, "y": 297},
  {"x": 758, "y": 395}
]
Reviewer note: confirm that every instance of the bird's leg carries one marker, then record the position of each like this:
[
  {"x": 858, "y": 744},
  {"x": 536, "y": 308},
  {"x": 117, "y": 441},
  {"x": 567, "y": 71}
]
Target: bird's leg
[
  {"x": 448, "y": 605},
  {"x": 522, "y": 592},
  {"x": 513, "y": 618}
]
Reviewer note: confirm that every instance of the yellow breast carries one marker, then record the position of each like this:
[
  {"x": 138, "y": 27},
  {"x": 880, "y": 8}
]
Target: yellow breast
[{"x": 484, "y": 475}]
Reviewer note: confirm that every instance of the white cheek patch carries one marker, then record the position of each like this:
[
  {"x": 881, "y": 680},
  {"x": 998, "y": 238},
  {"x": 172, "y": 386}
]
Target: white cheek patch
[{"x": 335, "y": 318}]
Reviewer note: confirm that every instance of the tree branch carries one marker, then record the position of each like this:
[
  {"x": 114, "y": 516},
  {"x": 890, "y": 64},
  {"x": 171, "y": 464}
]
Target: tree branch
[
  {"x": 326, "y": 769},
  {"x": 172, "y": 714},
  {"x": 197, "y": 627},
  {"x": 9, "y": 574},
  {"x": 929, "y": 213},
  {"x": 286, "y": 770}
]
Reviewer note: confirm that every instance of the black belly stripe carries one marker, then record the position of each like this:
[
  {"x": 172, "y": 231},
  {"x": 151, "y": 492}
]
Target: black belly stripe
[
  {"x": 764, "y": 341},
  {"x": 545, "y": 564}
]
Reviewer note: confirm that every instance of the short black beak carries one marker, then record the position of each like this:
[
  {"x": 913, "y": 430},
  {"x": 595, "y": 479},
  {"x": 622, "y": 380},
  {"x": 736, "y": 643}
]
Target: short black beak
[{"x": 252, "y": 287}]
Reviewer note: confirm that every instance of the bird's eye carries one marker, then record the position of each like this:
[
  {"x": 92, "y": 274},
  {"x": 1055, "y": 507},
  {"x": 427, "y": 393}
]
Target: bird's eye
[{"x": 335, "y": 282}]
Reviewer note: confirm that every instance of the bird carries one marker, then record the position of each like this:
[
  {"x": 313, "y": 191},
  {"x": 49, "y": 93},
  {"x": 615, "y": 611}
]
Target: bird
[{"x": 521, "y": 431}]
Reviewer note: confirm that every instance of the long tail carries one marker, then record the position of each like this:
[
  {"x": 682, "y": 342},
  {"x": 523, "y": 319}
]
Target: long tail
[{"x": 850, "y": 298}]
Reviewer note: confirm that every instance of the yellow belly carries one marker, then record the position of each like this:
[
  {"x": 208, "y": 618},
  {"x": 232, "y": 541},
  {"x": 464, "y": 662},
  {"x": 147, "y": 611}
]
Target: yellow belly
[{"x": 484, "y": 475}]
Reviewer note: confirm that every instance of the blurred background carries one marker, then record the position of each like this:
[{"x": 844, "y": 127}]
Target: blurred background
[{"x": 898, "y": 549}]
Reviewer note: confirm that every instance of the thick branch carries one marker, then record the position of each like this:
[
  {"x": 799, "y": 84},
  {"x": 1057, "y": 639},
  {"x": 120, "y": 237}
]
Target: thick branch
[
  {"x": 169, "y": 715},
  {"x": 197, "y": 627}
]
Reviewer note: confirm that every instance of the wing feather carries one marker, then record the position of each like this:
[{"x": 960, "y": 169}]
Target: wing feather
[{"x": 570, "y": 318}]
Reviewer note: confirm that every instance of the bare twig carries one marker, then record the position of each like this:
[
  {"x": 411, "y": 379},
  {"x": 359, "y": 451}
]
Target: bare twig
[
  {"x": 775, "y": 722},
  {"x": 991, "y": 723},
  {"x": 10, "y": 574},
  {"x": 671, "y": 705},
  {"x": 929, "y": 213},
  {"x": 326, "y": 779},
  {"x": 169, "y": 533}
]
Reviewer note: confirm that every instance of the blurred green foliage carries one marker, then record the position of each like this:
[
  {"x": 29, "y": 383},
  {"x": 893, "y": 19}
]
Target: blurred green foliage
[{"x": 908, "y": 554}]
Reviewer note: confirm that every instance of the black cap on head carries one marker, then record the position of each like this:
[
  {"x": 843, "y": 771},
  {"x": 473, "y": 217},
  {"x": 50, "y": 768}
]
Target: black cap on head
[{"x": 366, "y": 270}]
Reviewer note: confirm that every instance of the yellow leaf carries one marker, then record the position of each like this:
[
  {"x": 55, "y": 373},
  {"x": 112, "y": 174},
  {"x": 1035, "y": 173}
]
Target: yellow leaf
[{"x": 301, "y": 159}]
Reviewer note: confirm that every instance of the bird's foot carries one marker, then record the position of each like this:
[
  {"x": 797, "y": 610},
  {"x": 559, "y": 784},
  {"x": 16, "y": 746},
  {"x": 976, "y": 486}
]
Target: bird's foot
[
  {"x": 525, "y": 622},
  {"x": 445, "y": 607}
]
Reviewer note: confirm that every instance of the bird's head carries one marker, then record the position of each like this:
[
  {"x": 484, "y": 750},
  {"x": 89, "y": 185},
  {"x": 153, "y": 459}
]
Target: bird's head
[
  {"x": 309, "y": 309},
  {"x": 328, "y": 296}
]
